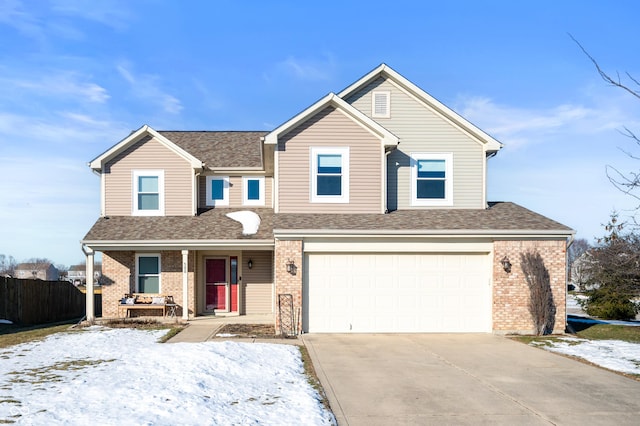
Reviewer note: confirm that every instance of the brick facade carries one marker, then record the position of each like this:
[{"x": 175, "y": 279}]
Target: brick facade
[
  {"x": 510, "y": 290},
  {"x": 119, "y": 274},
  {"x": 285, "y": 282}
]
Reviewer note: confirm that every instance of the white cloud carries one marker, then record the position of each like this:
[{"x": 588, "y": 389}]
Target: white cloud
[
  {"x": 59, "y": 84},
  {"x": 147, "y": 87},
  {"x": 307, "y": 69},
  {"x": 112, "y": 13},
  {"x": 13, "y": 13}
]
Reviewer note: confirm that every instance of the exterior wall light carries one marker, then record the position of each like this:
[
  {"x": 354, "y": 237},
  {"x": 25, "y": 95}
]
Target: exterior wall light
[
  {"x": 291, "y": 267},
  {"x": 506, "y": 264},
  {"x": 250, "y": 263}
]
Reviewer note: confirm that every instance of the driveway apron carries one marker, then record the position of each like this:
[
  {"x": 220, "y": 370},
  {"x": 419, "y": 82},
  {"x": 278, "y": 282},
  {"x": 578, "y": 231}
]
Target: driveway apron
[{"x": 464, "y": 379}]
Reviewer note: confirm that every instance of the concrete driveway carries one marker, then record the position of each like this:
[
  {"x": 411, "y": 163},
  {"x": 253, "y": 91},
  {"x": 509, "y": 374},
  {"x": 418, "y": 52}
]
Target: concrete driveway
[{"x": 467, "y": 379}]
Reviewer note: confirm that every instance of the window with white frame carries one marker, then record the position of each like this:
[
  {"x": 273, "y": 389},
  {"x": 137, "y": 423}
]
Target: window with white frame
[
  {"x": 217, "y": 191},
  {"x": 148, "y": 192},
  {"x": 253, "y": 191},
  {"x": 330, "y": 175},
  {"x": 148, "y": 273},
  {"x": 432, "y": 179},
  {"x": 381, "y": 104}
]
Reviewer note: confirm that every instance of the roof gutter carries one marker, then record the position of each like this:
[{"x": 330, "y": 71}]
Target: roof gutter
[
  {"x": 102, "y": 245},
  {"x": 421, "y": 233}
]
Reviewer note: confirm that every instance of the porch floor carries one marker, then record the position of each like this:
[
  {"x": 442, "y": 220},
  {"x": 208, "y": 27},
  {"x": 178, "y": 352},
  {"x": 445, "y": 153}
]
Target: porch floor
[{"x": 203, "y": 328}]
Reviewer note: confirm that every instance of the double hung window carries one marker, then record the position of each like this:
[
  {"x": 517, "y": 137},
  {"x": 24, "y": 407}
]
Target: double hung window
[
  {"x": 330, "y": 175},
  {"x": 148, "y": 192},
  {"x": 217, "y": 191},
  {"x": 431, "y": 179},
  {"x": 148, "y": 273}
]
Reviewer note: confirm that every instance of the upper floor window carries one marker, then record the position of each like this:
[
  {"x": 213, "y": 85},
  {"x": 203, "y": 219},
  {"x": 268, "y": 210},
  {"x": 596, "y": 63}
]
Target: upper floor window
[
  {"x": 330, "y": 175},
  {"x": 148, "y": 192},
  {"x": 253, "y": 191},
  {"x": 432, "y": 179},
  {"x": 217, "y": 191},
  {"x": 381, "y": 104},
  {"x": 148, "y": 273}
]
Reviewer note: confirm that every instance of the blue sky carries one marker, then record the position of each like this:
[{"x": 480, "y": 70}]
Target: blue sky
[{"x": 78, "y": 76}]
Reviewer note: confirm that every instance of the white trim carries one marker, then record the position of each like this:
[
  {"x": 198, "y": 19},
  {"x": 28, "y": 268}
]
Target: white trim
[
  {"x": 245, "y": 191},
  {"x": 344, "y": 193},
  {"x": 137, "y": 283},
  {"x": 103, "y": 195},
  {"x": 209, "y": 201},
  {"x": 448, "y": 179},
  {"x": 185, "y": 284},
  {"x": 135, "y": 208},
  {"x": 387, "y": 99},
  {"x": 275, "y": 191}
]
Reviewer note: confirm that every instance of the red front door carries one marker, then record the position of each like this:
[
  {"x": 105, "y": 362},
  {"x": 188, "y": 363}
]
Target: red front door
[{"x": 216, "y": 284}]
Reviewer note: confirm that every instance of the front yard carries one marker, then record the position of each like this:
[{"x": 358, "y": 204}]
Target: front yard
[{"x": 124, "y": 376}]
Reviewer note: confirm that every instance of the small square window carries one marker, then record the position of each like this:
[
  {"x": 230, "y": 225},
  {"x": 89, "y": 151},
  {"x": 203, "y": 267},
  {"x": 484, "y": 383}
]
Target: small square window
[
  {"x": 217, "y": 191},
  {"x": 432, "y": 180},
  {"x": 148, "y": 192},
  {"x": 253, "y": 191},
  {"x": 330, "y": 175}
]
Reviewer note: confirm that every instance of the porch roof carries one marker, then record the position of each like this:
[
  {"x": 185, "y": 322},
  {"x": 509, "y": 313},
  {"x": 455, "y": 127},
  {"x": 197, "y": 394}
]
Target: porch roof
[{"x": 210, "y": 225}]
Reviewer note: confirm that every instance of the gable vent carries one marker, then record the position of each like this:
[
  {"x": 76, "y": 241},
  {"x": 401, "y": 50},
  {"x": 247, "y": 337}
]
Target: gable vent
[{"x": 381, "y": 104}]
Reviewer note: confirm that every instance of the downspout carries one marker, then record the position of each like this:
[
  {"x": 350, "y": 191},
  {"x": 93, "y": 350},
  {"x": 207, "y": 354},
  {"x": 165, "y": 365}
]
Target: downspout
[{"x": 385, "y": 180}]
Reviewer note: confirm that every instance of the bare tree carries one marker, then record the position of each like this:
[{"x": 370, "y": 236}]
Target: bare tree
[
  {"x": 541, "y": 305},
  {"x": 625, "y": 182},
  {"x": 7, "y": 265},
  {"x": 577, "y": 249}
]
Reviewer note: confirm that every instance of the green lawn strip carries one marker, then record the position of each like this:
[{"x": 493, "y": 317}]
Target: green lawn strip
[
  {"x": 312, "y": 377},
  {"x": 14, "y": 335},
  {"x": 610, "y": 332}
]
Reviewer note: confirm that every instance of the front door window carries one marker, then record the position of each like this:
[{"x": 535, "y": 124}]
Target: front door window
[{"x": 216, "y": 285}]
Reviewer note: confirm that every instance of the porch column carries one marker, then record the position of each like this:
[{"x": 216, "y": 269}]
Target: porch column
[
  {"x": 185, "y": 284},
  {"x": 89, "y": 287}
]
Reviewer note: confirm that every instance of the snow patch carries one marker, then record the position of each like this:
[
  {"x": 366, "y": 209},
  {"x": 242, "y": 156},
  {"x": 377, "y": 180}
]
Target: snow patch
[
  {"x": 4, "y": 321},
  {"x": 50, "y": 381},
  {"x": 250, "y": 221}
]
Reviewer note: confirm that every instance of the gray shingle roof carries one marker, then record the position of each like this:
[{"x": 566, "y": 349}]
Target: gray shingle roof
[
  {"x": 221, "y": 149},
  {"x": 214, "y": 225},
  {"x": 210, "y": 225},
  {"x": 500, "y": 216}
]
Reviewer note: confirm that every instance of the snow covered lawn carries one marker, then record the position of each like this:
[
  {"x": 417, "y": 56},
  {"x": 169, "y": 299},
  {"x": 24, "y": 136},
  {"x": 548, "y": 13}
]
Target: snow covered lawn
[
  {"x": 612, "y": 354},
  {"x": 124, "y": 377}
]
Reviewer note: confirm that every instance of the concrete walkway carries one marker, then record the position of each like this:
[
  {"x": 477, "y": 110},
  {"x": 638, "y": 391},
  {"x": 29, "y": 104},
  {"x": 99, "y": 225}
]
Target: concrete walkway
[
  {"x": 203, "y": 329},
  {"x": 464, "y": 379}
]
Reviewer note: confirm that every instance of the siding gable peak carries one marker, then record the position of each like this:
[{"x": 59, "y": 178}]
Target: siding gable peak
[
  {"x": 332, "y": 100},
  {"x": 488, "y": 143},
  {"x": 98, "y": 163}
]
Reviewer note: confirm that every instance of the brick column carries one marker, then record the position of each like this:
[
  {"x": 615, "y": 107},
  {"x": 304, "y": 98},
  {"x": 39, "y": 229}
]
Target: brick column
[
  {"x": 510, "y": 291},
  {"x": 286, "y": 282}
]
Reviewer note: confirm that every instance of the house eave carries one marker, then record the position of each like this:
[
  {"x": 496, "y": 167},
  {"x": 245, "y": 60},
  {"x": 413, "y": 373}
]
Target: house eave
[
  {"x": 105, "y": 245},
  {"x": 421, "y": 233}
]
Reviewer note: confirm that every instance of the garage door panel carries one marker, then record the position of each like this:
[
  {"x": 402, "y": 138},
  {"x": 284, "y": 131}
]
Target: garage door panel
[{"x": 397, "y": 293}]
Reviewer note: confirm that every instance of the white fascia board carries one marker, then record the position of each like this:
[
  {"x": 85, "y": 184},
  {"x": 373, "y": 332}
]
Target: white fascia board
[
  {"x": 178, "y": 244},
  {"x": 98, "y": 162},
  {"x": 421, "y": 233},
  {"x": 387, "y": 138},
  {"x": 383, "y": 70}
]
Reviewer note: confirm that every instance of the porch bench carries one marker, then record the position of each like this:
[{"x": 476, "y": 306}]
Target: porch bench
[{"x": 144, "y": 301}]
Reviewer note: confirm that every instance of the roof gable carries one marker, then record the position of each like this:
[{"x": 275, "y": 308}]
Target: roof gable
[
  {"x": 384, "y": 71},
  {"x": 99, "y": 162},
  {"x": 387, "y": 138}
]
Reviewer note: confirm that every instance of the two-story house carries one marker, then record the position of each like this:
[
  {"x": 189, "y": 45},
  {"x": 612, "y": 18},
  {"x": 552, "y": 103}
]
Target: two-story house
[
  {"x": 37, "y": 271},
  {"x": 366, "y": 212}
]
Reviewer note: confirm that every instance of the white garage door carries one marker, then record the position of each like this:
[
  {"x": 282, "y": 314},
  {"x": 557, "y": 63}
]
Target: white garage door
[{"x": 368, "y": 293}]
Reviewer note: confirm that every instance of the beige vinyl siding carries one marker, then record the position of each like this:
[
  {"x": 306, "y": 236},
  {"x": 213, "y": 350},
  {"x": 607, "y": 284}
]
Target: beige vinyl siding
[
  {"x": 257, "y": 282},
  {"x": 421, "y": 130},
  {"x": 235, "y": 191},
  {"x": 330, "y": 128},
  {"x": 148, "y": 154}
]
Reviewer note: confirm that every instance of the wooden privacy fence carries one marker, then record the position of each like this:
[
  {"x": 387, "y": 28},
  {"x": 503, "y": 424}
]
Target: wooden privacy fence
[{"x": 38, "y": 302}]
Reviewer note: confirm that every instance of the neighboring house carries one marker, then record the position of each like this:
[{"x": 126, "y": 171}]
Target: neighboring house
[
  {"x": 77, "y": 274},
  {"x": 39, "y": 271},
  {"x": 373, "y": 218}
]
